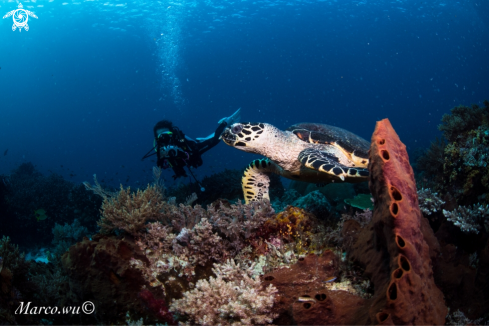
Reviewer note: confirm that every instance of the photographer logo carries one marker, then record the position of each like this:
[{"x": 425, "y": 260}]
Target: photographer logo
[{"x": 20, "y": 17}]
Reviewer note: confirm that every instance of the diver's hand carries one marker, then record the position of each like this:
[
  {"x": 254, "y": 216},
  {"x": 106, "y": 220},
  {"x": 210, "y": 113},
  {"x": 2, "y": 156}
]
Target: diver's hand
[{"x": 235, "y": 117}]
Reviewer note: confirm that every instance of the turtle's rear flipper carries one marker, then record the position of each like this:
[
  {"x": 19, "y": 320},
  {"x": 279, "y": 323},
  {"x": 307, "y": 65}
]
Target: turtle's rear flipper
[
  {"x": 327, "y": 163},
  {"x": 256, "y": 180}
]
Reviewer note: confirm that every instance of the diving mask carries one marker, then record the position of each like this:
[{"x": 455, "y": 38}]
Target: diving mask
[{"x": 164, "y": 136}]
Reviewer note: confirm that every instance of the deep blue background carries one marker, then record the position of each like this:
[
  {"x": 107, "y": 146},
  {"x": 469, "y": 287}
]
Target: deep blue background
[{"x": 81, "y": 90}]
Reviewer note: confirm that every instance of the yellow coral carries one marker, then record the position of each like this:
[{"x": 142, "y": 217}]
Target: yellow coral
[{"x": 294, "y": 224}]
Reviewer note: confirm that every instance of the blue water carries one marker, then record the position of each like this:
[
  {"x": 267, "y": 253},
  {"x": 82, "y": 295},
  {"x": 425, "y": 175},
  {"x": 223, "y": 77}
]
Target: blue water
[{"x": 81, "y": 90}]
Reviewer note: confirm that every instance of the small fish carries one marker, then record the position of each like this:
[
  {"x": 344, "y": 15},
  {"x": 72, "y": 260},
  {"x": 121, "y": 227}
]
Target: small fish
[
  {"x": 330, "y": 279},
  {"x": 5, "y": 153},
  {"x": 40, "y": 214},
  {"x": 306, "y": 299}
]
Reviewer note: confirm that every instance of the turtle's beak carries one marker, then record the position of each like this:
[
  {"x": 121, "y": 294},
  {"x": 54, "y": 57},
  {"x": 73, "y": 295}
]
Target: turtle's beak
[{"x": 228, "y": 137}]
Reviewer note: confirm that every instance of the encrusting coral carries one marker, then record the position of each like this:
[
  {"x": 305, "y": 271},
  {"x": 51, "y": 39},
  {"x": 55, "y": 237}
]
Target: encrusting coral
[{"x": 233, "y": 297}]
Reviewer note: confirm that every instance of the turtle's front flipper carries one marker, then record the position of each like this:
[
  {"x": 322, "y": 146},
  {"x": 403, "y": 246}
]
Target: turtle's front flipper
[
  {"x": 327, "y": 163},
  {"x": 256, "y": 180}
]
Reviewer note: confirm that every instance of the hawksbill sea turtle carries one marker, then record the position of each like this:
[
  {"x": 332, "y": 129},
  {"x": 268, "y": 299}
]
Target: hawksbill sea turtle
[
  {"x": 310, "y": 152},
  {"x": 20, "y": 17}
]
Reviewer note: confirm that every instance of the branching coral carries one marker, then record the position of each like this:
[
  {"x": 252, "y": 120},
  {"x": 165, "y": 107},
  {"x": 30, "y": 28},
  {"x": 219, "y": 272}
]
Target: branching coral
[
  {"x": 458, "y": 318},
  {"x": 469, "y": 220},
  {"x": 429, "y": 202},
  {"x": 240, "y": 221},
  {"x": 233, "y": 297},
  {"x": 130, "y": 211},
  {"x": 202, "y": 244},
  {"x": 182, "y": 216},
  {"x": 98, "y": 189}
]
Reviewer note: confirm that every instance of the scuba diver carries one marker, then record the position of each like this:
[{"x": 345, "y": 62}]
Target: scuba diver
[{"x": 176, "y": 150}]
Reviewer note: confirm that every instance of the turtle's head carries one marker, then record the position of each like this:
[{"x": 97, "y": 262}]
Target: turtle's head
[{"x": 247, "y": 136}]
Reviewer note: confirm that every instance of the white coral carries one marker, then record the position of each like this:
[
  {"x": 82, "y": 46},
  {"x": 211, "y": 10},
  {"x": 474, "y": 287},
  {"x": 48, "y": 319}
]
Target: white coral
[
  {"x": 468, "y": 219},
  {"x": 232, "y": 298},
  {"x": 429, "y": 202}
]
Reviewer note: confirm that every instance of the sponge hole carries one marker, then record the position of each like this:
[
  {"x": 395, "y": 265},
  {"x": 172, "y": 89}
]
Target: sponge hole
[
  {"x": 396, "y": 194},
  {"x": 385, "y": 155},
  {"x": 392, "y": 291},
  {"x": 394, "y": 209},
  {"x": 398, "y": 273},
  {"x": 404, "y": 263},
  {"x": 381, "y": 141},
  {"x": 320, "y": 297},
  {"x": 382, "y": 316},
  {"x": 400, "y": 242}
]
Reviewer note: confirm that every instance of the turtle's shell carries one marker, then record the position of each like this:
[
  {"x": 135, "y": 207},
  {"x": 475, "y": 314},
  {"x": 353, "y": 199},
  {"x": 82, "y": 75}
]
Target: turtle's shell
[{"x": 319, "y": 133}]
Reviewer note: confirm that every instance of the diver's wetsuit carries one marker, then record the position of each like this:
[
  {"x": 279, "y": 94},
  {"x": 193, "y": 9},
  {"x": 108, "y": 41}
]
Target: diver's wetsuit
[{"x": 186, "y": 151}]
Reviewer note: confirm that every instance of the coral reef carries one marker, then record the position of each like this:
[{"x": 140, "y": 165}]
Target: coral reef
[
  {"x": 28, "y": 190},
  {"x": 313, "y": 260},
  {"x": 233, "y": 297},
  {"x": 16, "y": 284},
  {"x": 197, "y": 237},
  {"x": 394, "y": 248},
  {"x": 470, "y": 219},
  {"x": 172, "y": 253},
  {"x": 460, "y": 165},
  {"x": 100, "y": 271}
]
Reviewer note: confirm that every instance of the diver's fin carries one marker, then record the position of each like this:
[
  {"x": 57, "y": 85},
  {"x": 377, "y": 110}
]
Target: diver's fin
[{"x": 235, "y": 117}]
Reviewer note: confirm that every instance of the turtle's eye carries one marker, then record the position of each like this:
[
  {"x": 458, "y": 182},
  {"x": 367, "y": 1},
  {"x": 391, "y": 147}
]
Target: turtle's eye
[{"x": 237, "y": 128}]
